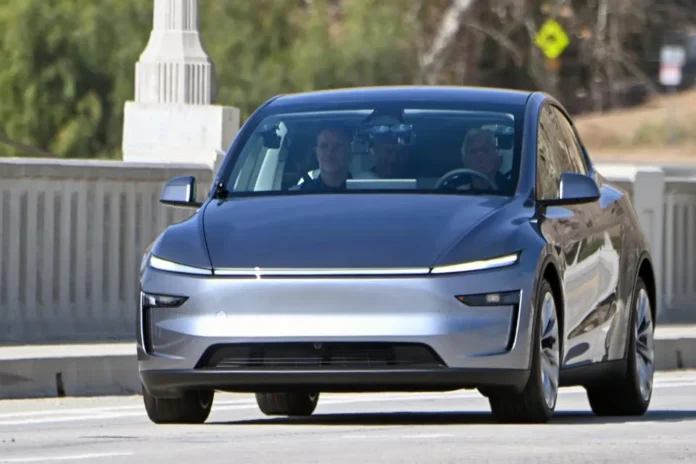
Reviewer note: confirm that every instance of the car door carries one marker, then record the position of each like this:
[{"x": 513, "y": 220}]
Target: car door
[
  {"x": 607, "y": 228},
  {"x": 571, "y": 229}
]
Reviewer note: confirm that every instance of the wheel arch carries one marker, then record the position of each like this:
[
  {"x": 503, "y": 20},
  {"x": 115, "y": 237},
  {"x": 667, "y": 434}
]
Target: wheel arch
[
  {"x": 647, "y": 273},
  {"x": 549, "y": 271}
]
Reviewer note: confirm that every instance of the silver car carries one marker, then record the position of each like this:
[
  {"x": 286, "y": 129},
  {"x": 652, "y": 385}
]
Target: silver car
[{"x": 400, "y": 239}]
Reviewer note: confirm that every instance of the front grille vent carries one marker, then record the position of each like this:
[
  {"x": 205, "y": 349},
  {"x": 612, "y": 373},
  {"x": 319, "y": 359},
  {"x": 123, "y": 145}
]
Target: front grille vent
[{"x": 320, "y": 356}]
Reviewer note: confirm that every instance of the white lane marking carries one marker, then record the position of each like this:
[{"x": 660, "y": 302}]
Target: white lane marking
[
  {"x": 74, "y": 457},
  {"x": 141, "y": 412},
  {"x": 248, "y": 402},
  {"x": 338, "y": 398},
  {"x": 396, "y": 436},
  {"x": 99, "y": 409},
  {"x": 675, "y": 384},
  {"x": 86, "y": 414}
]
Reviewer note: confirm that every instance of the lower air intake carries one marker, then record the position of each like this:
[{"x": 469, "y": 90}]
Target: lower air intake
[{"x": 320, "y": 356}]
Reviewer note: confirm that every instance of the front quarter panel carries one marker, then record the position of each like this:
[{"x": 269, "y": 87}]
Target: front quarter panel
[
  {"x": 635, "y": 248},
  {"x": 184, "y": 243},
  {"x": 507, "y": 230},
  {"x": 181, "y": 243},
  {"x": 504, "y": 234}
]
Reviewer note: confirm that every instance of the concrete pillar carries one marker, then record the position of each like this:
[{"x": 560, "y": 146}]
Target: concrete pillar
[
  {"x": 173, "y": 118},
  {"x": 649, "y": 201},
  {"x": 174, "y": 67}
]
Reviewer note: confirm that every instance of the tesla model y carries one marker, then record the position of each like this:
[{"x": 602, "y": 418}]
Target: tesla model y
[{"x": 400, "y": 239}]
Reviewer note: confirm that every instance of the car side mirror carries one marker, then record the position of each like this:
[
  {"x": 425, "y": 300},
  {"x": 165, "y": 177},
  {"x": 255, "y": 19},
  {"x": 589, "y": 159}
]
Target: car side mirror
[
  {"x": 181, "y": 192},
  {"x": 575, "y": 189}
]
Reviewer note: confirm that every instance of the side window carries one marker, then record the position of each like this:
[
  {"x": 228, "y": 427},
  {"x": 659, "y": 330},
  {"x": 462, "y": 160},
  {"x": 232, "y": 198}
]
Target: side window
[
  {"x": 569, "y": 144},
  {"x": 248, "y": 162},
  {"x": 549, "y": 168},
  {"x": 258, "y": 167}
]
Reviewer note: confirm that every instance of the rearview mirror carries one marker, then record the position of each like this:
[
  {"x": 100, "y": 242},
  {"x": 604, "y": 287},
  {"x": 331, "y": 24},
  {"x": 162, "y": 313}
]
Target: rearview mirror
[
  {"x": 181, "y": 192},
  {"x": 575, "y": 189},
  {"x": 271, "y": 138}
]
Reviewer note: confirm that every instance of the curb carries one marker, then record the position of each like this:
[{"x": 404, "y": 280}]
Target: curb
[
  {"x": 113, "y": 370},
  {"x": 73, "y": 376},
  {"x": 675, "y": 353},
  {"x": 69, "y": 371}
]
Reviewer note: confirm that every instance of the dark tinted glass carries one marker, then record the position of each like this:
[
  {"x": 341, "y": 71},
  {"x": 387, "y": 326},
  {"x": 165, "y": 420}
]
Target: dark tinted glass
[{"x": 382, "y": 149}]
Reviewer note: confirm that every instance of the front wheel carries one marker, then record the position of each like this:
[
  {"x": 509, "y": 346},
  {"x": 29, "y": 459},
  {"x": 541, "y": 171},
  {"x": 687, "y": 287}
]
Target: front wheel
[
  {"x": 287, "y": 404},
  {"x": 630, "y": 395},
  {"x": 192, "y": 408},
  {"x": 537, "y": 402}
]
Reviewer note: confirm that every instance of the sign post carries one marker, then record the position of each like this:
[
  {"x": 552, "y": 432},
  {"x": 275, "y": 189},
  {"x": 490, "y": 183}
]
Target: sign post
[{"x": 672, "y": 59}]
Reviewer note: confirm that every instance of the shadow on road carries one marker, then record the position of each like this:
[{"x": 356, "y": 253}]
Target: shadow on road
[{"x": 454, "y": 418}]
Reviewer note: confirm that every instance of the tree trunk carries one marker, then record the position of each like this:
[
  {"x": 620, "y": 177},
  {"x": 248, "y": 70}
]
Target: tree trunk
[{"x": 432, "y": 61}]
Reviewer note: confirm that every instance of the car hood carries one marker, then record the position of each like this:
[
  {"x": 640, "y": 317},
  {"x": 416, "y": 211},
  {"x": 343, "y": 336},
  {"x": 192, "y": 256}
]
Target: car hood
[{"x": 340, "y": 231}]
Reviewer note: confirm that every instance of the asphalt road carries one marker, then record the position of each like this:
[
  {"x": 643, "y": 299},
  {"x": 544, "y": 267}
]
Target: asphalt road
[{"x": 404, "y": 428}]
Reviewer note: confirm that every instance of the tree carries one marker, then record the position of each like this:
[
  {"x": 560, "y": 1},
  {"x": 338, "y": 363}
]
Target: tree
[{"x": 67, "y": 68}]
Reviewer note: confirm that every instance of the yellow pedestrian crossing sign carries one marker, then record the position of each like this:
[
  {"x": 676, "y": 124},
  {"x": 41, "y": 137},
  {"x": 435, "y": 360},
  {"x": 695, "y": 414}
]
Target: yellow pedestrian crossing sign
[{"x": 552, "y": 39}]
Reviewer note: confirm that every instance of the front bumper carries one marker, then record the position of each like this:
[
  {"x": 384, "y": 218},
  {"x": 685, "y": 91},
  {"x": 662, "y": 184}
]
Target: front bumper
[
  {"x": 165, "y": 383},
  {"x": 472, "y": 346}
]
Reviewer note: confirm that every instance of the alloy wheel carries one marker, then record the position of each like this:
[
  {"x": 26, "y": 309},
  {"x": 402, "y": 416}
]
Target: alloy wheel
[
  {"x": 550, "y": 351},
  {"x": 645, "y": 354}
]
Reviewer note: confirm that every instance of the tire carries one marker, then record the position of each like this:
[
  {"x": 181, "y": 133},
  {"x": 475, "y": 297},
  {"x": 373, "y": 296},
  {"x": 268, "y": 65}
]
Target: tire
[
  {"x": 193, "y": 408},
  {"x": 531, "y": 405},
  {"x": 287, "y": 404},
  {"x": 624, "y": 396}
]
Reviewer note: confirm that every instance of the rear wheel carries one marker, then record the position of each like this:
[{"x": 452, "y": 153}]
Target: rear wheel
[
  {"x": 537, "y": 402},
  {"x": 630, "y": 395},
  {"x": 287, "y": 404},
  {"x": 192, "y": 408}
]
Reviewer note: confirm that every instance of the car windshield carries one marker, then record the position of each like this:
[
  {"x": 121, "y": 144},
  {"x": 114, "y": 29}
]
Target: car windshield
[{"x": 408, "y": 150}]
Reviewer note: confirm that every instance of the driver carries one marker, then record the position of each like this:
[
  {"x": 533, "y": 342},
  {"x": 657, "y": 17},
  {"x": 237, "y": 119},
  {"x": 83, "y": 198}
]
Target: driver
[
  {"x": 334, "y": 156},
  {"x": 480, "y": 153}
]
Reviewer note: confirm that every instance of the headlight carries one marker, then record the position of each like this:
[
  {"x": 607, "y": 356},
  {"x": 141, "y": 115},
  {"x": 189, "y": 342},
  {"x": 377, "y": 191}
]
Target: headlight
[
  {"x": 491, "y": 299},
  {"x": 170, "y": 266},
  {"x": 151, "y": 300},
  {"x": 494, "y": 263}
]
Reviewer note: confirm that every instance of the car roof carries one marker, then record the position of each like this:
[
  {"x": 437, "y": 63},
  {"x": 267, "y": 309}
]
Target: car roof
[{"x": 432, "y": 94}]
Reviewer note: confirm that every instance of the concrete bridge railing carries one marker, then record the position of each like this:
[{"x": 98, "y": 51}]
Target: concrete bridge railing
[
  {"x": 72, "y": 235},
  {"x": 665, "y": 198}
]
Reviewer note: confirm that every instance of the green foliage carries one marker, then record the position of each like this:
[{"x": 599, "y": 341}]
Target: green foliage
[
  {"x": 249, "y": 43},
  {"x": 269, "y": 47},
  {"x": 378, "y": 46},
  {"x": 67, "y": 68}
]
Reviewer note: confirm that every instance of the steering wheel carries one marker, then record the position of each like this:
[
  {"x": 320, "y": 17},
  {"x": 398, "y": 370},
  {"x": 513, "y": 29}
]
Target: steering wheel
[{"x": 456, "y": 174}]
